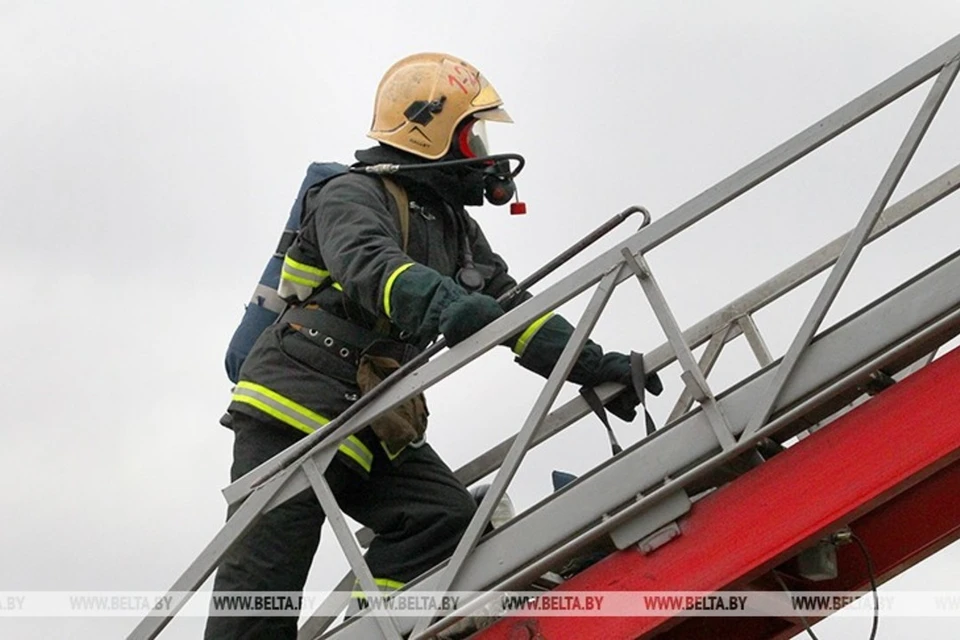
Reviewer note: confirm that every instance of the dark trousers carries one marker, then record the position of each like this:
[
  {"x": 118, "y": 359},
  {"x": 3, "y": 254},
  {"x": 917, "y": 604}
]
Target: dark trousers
[{"x": 418, "y": 510}]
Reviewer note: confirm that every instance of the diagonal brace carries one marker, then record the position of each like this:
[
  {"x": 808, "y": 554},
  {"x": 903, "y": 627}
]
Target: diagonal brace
[
  {"x": 855, "y": 243},
  {"x": 338, "y": 523},
  {"x": 518, "y": 449},
  {"x": 707, "y": 359},
  {"x": 208, "y": 560},
  {"x": 692, "y": 375}
]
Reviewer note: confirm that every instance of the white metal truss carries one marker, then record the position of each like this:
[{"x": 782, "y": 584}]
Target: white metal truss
[{"x": 818, "y": 371}]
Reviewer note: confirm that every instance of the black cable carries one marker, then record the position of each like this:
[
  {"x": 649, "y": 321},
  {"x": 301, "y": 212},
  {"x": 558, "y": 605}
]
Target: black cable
[
  {"x": 837, "y": 539},
  {"x": 873, "y": 583},
  {"x": 806, "y": 624},
  {"x": 390, "y": 168}
]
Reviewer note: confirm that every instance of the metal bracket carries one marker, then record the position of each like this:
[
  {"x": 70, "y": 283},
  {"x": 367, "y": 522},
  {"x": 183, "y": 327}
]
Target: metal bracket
[
  {"x": 818, "y": 563},
  {"x": 879, "y": 380},
  {"x": 659, "y": 538},
  {"x": 548, "y": 581},
  {"x": 651, "y": 520}
]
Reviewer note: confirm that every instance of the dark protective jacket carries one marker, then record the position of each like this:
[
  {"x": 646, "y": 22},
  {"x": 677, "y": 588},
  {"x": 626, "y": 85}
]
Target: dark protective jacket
[{"x": 348, "y": 262}]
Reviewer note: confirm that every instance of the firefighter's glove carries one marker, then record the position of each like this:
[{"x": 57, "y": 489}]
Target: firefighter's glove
[
  {"x": 615, "y": 367},
  {"x": 540, "y": 352},
  {"x": 467, "y": 315}
]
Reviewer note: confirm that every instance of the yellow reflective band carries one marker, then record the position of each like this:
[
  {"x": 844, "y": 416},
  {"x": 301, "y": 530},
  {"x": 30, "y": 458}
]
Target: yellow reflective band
[
  {"x": 389, "y": 287},
  {"x": 279, "y": 415},
  {"x": 286, "y": 402},
  {"x": 528, "y": 334},
  {"x": 302, "y": 274},
  {"x": 286, "y": 275},
  {"x": 299, "y": 266},
  {"x": 383, "y": 583},
  {"x": 336, "y": 285},
  {"x": 352, "y": 447},
  {"x": 364, "y": 457},
  {"x": 393, "y": 585},
  {"x": 359, "y": 443}
]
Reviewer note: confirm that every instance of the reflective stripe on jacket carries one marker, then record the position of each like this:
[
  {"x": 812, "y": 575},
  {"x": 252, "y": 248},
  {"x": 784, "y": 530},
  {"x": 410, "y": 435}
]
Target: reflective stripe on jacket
[{"x": 351, "y": 235}]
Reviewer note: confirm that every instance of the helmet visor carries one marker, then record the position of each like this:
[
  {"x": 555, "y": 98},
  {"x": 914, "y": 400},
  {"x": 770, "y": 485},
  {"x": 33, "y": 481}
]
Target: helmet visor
[{"x": 472, "y": 140}]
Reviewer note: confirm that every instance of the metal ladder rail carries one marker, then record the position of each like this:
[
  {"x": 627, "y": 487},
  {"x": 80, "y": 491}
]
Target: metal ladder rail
[
  {"x": 855, "y": 241},
  {"x": 561, "y": 370},
  {"x": 853, "y": 247},
  {"x": 539, "y": 411},
  {"x": 696, "y": 385},
  {"x": 726, "y": 319},
  {"x": 661, "y": 230},
  {"x": 521, "y": 444},
  {"x": 926, "y": 311},
  {"x": 285, "y": 479},
  {"x": 866, "y": 394},
  {"x": 770, "y": 290},
  {"x": 692, "y": 375},
  {"x": 282, "y": 477}
]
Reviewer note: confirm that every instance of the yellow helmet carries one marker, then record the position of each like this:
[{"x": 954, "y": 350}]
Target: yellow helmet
[{"x": 423, "y": 98}]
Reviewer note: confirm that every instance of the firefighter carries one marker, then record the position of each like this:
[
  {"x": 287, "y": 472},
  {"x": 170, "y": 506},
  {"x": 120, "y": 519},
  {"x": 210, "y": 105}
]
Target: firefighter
[{"x": 366, "y": 294}]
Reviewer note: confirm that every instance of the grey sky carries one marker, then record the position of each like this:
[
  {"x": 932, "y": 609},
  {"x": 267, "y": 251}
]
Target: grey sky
[{"x": 149, "y": 154}]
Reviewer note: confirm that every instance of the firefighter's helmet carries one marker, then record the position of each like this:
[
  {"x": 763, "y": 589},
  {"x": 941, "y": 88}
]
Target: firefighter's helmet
[{"x": 424, "y": 97}]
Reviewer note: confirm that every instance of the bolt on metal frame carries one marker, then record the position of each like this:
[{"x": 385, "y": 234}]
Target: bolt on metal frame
[{"x": 302, "y": 467}]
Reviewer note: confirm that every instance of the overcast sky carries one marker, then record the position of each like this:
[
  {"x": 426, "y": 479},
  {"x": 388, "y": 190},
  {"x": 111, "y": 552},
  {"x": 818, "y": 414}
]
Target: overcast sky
[{"x": 149, "y": 153}]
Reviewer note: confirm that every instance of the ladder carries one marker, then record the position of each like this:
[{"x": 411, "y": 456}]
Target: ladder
[{"x": 640, "y": 500}]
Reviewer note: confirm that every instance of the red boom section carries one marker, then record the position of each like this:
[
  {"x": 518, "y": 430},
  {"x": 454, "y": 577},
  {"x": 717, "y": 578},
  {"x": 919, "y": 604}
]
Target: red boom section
[{"x": 890, "y": 469}]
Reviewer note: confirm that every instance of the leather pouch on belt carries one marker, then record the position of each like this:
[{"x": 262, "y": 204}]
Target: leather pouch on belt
[{"x": 407, "y": 422}]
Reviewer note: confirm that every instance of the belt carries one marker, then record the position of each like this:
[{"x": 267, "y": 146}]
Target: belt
[{"x": 340, "y": 337}]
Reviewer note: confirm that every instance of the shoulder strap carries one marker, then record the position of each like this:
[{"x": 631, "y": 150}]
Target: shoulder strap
[{"x": 403, "y": 207}]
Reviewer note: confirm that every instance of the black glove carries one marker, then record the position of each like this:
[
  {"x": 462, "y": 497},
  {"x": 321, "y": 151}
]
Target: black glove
[
  {"x": 467, "y": 315},
  {"x": 615, "y": 367},
  {"x": 592, "y": 367}
]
